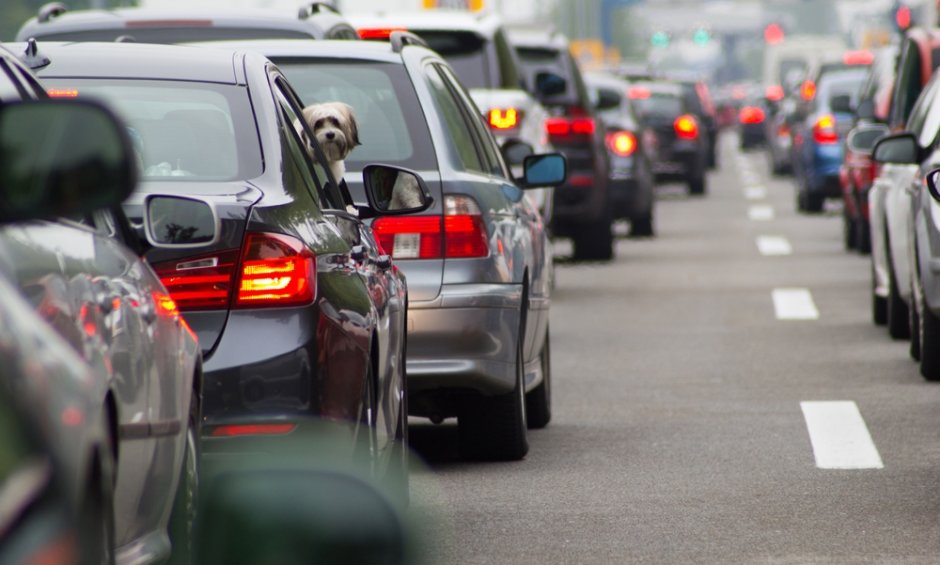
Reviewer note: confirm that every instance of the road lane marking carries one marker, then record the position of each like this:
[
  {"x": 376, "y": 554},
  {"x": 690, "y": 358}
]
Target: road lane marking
[
  {"x": 839, "y": 436},
  {"x": 794, "y": 304},
  {"x": 755, "y": 193},
  {"x": 773, "y": 245},
  {"x": 760, "y": 212}
]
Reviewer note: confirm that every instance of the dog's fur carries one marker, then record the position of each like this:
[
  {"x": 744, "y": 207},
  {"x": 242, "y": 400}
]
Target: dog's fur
[
  {"x": 334, "y": 126},
  {"x": 404, "y": 193}
]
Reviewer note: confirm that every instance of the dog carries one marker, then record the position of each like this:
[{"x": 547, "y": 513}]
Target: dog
[
  {"x": 334, "y": 126},
  {"x": 405, "y": 193}
]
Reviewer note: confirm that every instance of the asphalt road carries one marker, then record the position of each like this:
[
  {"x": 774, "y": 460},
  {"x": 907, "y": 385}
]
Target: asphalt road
[{"x": 679, "y": 432}]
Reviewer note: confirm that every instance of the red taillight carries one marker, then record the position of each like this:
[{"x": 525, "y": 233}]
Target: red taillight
[
  {"x": 62, "y": 93},
  {"x": 808, "y": 90},
  {"x": 235, "y": 430},
  {"x": 824, "y": 130},
  {"x": 200, "y": 283},
  {"x": 378, "y": 33},
  {"x": 638, "y": 93},
  {"x": 621, "y": 143},
  {"x": 774, "y": 93},
  {"x": 276, "y": 270},
  {"x": 460, "y": 233},
  {"x": 861, "y": 57},
  {"x": 751, "y": 115},
  {"x": 504, "y": 118},
  {"x": 686, "y": 127},
  {"x": 569, "y": 126}
]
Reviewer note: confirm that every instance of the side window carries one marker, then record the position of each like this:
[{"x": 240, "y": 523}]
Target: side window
[
  {"x": 908, "y": 85},
  {"x": 915, "y": 122},
  {"x": 493, "y": 161},
  {"x": 457, "y": 137},
  {"x": 9, "y": 87}
]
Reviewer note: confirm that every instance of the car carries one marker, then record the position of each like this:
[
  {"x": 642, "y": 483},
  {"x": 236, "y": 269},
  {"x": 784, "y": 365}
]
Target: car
[
  {"x": 80, "y": 269},
  {"x": 629, "y": 147},
  {"x": 699, "y": 101},
  {"x": 818, "y": 127},
  {"x": 888, "y": 204},
  {"x": 477, "y": 48},
  {"x": 583, "y": 206},
  {"x": 682, "y": 153},
  {"x": 325, "y": 338},
  {"x": 751, "y": 118},
  {"x": 478, "y": 262},
  {"x": 55, "y": 22}
]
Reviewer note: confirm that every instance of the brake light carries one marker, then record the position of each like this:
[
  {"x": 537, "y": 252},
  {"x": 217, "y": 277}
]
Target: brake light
[
  {"x": 808, "y": 90},
  {"x": 751, "y": 115},
  {"x": 504, "y": 118},
  {"x": 459, "y": 234},
  {"x": 861, "y": 57},
  {"x": 824, "y": 130},
  {"x": 774, "y": 93},
  {"x": 235, "y": 430},
  {"x": 200, "y": 283},
  {"x": 783, "y": 130},
  {"x": 686, "y": 127},
  {"x": 62, "y": 93},
  {"x": 569, "y": 126},
  {"x": 638, "y": 93},
  {"x": 621, "y": 143},
  {"x": 276, "y": 270},
  {"x": 378, "y": 33}
]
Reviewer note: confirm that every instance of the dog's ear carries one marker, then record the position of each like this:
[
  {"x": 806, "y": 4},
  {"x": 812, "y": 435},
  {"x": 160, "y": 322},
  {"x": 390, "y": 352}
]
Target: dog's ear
[{"x": 351, "y": 121}]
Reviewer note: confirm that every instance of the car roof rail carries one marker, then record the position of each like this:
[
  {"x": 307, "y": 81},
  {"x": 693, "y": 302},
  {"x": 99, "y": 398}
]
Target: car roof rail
[
  {"x": 399, "y": 39},
  {"x": 312, "y": 8},
  {"x": 51, "y": 10},
  {"x": 33, "y": 57}
]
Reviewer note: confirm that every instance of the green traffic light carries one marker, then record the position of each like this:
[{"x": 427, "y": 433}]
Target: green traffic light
[
  {"x": 660, "y": 39},
  {"x": 701, "y": 37}
]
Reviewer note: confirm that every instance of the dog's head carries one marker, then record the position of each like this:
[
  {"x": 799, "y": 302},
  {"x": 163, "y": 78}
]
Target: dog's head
[{"x": 334, "y": 126}]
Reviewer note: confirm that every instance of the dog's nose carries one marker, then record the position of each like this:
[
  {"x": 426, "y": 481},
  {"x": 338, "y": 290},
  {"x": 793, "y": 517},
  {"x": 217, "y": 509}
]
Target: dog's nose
[{"x": 330, "y": 135}]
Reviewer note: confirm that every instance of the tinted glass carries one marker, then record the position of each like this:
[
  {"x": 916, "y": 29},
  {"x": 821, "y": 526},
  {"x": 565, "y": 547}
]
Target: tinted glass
[
  {"x": 488, "y": 147},
  {"x": 181, "y": 130},
  {"x": 391, "y": 126},
  {"x": 466, "y": 53},
  {"x": 457, "y": 137},
  {"x": 171, "y": 35},
  {"x": 659, "y": 105},
  {"x": 839, "y": 83}
]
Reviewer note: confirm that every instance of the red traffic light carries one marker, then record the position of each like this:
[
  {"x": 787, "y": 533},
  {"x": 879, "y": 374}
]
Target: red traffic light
[
  {"x": 773, "y": 33},
  {"x": 902, "y": 17}
]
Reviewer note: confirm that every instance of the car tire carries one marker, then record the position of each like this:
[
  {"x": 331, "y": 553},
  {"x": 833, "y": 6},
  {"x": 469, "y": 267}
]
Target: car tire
[
  {"x": 494, "y": 428},
  {"x": 97, "y": 515},
  {"x": 898, "y": 323},
  {"x": 814, "y": 203},
  {"x": 398, "y": 476},
  {"x": 849, "y": 232},
  {"x": 929, "y": 354},
  {"x": 539, "y": 400},
  {"x": 916, "y": 329},
  {"x": 863, "y": 236},
  {"x": 183, "y": 517},
  {"x": 879, "y": 304},
  {"x": 642, "y": 226},
  {"x": 594, "y": 242},
  {"x": 697, "y": 184}
]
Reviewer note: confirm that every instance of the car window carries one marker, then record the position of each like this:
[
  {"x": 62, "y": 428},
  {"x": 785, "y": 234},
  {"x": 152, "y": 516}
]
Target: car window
[
  {"x": 659, "y": 104},
  {"x": 847, "y": 82},
  {"x": 908, "y": 84},
  {"x": 925, "y": 117},
  {"x": 10, "y": 88},
  {"x": 181, "y": 130},
  {"x": 493, "y": 161},
  {"x": 466, "y": 53},
  {"x": 456, "y": 138}
]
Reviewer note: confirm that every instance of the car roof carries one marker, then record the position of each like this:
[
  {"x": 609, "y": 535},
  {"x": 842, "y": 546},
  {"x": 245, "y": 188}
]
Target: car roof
[
  {"x": 660, "y": 87},
  {"x": 532, "y": 37},
  {"x": 281, "y": 48},
  {"x": 607, "y": 80},
  {"x": 484, "y": 24},
  {"x": 143, "y": 60}
]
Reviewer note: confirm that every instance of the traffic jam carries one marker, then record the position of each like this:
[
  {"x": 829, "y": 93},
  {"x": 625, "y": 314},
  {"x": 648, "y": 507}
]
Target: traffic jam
[{"x": 469, "y": 282}]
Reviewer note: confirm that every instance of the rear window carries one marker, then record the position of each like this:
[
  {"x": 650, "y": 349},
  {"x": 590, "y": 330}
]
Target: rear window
[
  {"x": 391, "y": 124},
  {"x": 466, "y": 53},
  {"x": 838, "y": 83},
  {"x": 180, "y": 130},
  {"x": 173, "y": 35},
  {"x": 659, "y": 105}
]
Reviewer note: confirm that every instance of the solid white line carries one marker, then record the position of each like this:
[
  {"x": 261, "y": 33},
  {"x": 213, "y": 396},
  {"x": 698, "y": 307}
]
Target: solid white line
[
  {"x": 760, "y": 212},
  {"x": 755, "y": 193},
  {"x": 794, "y": 304},
  {"x": 773, "y": 245},
  {"x": 839, "y": 436}
]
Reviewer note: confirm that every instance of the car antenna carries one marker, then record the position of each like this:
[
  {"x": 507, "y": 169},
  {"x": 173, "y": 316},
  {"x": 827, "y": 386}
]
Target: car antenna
[{"x": 32, "y": 57}]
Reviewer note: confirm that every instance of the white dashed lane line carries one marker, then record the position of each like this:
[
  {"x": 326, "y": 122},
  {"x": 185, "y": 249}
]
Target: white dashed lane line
[
  {"x": 839, "y": 436},
  {"x": 760, "y": 212},
  {"x": 755, "y": 193},
  {"x": 794, "y": 304},
  {"x": 773, "y": 245}
]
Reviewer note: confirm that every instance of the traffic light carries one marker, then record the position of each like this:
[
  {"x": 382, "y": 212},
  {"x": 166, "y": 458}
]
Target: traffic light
[
  {"x": 660, "y": 39},
  {"x": 902, "y": 17},
  {"x": 774, "y": 33},
  {"x": 701, "y": 36}
]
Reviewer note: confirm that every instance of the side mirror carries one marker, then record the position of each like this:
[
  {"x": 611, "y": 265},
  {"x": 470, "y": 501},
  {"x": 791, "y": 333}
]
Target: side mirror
[
  {"x": 180, "y": 222},
  {"x": 515, "y": 151},
  {"x": 901, "y": 149},
  {"x": 545, "y": 170},
  {"x": 549, "y": 84},
  {"x": 607, "y": 99},
  {"x": 932, "y": 184},
  {"x": 62, "y": 158},
  {"x": 841, "y": 104},
  {"x": 395, "y": 190},
  {"x": 865, "y": 110},
  {"x": 863, "y": 138}
]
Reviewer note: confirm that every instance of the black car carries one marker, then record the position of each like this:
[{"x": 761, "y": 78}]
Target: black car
[
  {"x": 682, "y": 144},
  {"x": 699, "y": 102},
  {"x": 299, "y": 313},
  {"x": 629, "y": 146},
  {"x": 582, "y": 206}
]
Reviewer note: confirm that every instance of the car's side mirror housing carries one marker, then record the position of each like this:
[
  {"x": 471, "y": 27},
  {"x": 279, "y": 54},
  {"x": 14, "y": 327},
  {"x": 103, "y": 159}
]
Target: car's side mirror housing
[
  {"x": 515, "y": 151},
  {"x": 62, "y": 158},
  {"x": 393, "y": 191},
  {"x": 548, "y": 83},
  {"x": 544, "y": 170},
  {"x": 841, "y": 104},
  {"x": 900, "y": 149},
  {"x": 863, "y": 138},
  {"x": 180, "y": 222}
]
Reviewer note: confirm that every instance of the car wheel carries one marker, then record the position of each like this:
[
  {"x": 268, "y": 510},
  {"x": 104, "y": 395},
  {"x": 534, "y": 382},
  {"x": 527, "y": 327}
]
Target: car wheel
[
  {"x": 849, "y": 232},
  {"x": 398, "y": 475},
  {"x": 183, "y": 516},
  {"x": 879, "y": 304},
  {"x": 916, "y": 330},
  {"x": 863, "y": 236},
  {"x": 494, "y": 428},
  {"x": 697, "y": 184},
  {"x": 594, "y": 242},
  {"x": 366, "y": 446},
  {"x": 928, "y": 336},
  {"x": 898, "y": 324},
  {"x": 539, "y": 400},
  {"x": 814, "y": 202},
  {"x": 642, "y": 227},
  {"x": 97, "y": 516}
]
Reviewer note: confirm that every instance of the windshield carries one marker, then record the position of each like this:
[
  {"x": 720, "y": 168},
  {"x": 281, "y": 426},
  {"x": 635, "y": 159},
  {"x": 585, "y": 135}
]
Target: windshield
[
  {"x": 180, "y": 130},
  {"x": 659, "y": 105},
  {"x": 842, "y": 83},
  {"x": 388, "y": 114}
]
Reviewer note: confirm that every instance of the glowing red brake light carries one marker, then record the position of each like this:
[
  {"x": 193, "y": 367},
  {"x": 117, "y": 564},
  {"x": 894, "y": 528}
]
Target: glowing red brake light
[
  {"x": 751, "y": 115},
  {"x": 686, "y": 127},
  {"x": 276, "y": 270},
  {"x": 459, "y": 233},
  {"x": 808, "y": 90},
  {"x": 62, "y": 93},
  {"x": 504, "y": 118},
  {"x": 378, "y": 33},
  {"x": 200, "y": 283},
  {"x": 236, "y": 430},
  {"x": 569, "y": 126},
  {"x": 774, "y": 93},
  {"x": 621, "y": 143},
  {"x": 824, "y": 130}
]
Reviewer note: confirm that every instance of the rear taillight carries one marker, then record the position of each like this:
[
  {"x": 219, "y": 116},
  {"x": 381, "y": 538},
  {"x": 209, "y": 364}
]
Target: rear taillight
[
  {"x": 783, "y": 130},
  {"x": 808, "y": 90},
  {"x": 378, "y": 33},
  {"x": 200, "y": 283},
  {"x": 751, "y": 115},
  {"x": 276, "y": 270},
  {"x": 560, "y": 127},
  {"x": 621, "y": 143},
  {"x": 236, "y": 430},
  {"x": 686, "y": 127},
  {"x": 460, "y": 233},
  {"x": 774, "y": 93},
  {"x": 504, "y": 118},
  {"x": 824, "y": 130}
]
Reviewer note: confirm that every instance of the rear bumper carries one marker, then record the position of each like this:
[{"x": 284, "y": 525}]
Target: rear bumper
[{"x": 683, "y": 162}]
